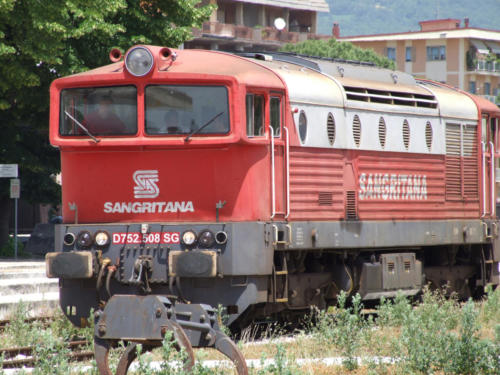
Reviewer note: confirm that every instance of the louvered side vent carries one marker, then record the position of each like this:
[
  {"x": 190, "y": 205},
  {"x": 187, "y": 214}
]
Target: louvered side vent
[
  {"x": 390, "y": 97},
  {"x": 330, "y": 129},
  {"x": 428, "y": 135},
  {"x": 382, "y": 132},
  {"x": 453, "y": 166},
  {"x": 351, "y": 210},
  {"x": 471, "y": 183},
  {"x": 325, "y": 198},
  {"x": 406, "y": 134},
  {"x": 356, "y": 130}
]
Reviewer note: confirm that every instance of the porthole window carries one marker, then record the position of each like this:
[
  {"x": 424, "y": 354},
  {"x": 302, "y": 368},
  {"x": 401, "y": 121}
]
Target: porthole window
[
  {"x": 428, "y": 135},
  {"x": 356, "y": 130},
  {"x": 406, "y": 134},
  {"x": 302, "y": 126},
  {"x": 330, "y": 129},
  {"x": 382, "y": 132}
]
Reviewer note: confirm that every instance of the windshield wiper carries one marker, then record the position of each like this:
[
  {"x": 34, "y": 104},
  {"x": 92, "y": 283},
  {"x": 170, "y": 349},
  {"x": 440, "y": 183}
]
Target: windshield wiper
[
  {"x": 82, "y": 127},
  {"x": 202, "y": 127}
]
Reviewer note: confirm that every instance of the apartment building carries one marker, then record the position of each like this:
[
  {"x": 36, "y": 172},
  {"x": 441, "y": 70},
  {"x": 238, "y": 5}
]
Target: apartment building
[
  {"x": 446, "y": 51},
  {"x": 249, "y": 25}
]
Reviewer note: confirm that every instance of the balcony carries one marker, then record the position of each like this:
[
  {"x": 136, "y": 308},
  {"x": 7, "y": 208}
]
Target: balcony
[
  {"x": 492, "y": 98},
  {"x": 239, "y": 37},
  {"x": 485, "y": 67}
]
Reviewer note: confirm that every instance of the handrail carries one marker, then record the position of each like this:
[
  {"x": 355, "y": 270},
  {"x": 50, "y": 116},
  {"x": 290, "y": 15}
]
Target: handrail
[
  {"x": 273, "y": 183},
  {"x": 483, "y": 153},
  {"x": 492, "y": 178},
  {"x": 287, "y": 171}
]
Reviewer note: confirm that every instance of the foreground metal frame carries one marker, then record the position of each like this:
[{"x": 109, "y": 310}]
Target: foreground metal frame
[{"x": 146, "y": 320}]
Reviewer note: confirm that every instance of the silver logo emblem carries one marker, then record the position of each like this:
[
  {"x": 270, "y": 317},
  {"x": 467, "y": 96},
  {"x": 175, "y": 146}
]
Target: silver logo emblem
[{"x": 146, "y": 184}]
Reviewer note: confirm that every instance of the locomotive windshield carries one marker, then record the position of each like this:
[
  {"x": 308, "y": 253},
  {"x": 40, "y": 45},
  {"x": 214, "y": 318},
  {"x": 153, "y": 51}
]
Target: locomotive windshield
[
  {"x": 173, "y": 109},
  {"x": 99, "y": 111}
]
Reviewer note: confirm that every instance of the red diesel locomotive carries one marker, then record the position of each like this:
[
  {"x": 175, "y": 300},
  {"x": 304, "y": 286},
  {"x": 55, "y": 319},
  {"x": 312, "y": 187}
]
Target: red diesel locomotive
[{"x": 265, "y": 183}]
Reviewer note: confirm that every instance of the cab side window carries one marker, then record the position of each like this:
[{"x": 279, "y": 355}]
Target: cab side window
[
  {"x": 276, "y": 115},
  {"x": 255, "y": 114}
]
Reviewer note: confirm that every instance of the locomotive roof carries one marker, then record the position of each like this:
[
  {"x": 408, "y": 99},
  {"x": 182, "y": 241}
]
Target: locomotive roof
[
  {"x": 308, "y": 79},
  {"x": 356, "y": 84},
  {"x": 201, "y": 63}
]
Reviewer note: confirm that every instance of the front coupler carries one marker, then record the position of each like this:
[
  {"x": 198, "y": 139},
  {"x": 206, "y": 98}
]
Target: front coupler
[{"x": 146, "y": 319}]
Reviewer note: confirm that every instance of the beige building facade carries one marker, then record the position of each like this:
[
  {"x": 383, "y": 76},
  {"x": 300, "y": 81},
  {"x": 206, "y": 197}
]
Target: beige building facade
[
  {"x": 444, "y": 51},
  {"x": 249, "y": 25}
]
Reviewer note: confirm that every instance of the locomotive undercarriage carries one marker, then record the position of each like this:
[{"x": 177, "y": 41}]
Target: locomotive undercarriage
[{"x": 260, "y": 271}]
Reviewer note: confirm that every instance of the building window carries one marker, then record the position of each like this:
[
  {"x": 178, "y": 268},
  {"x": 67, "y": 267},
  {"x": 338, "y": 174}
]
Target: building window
[
  {"x": 487, "y": 88},
  {"x": 391, "y": 53},
  {"x": 436, "y": 53},
  {"x": 255, "y": 115},
  {"x": 408, "y": 54},
  {"x": 472, "y": 87}
]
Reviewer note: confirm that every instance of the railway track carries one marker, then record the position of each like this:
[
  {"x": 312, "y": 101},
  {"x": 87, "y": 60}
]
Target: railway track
[
  {"x": 44, "y": 319},
  {"x": 25, "y": 356}
]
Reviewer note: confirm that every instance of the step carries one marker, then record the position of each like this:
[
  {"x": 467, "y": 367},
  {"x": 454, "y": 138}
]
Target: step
[
  {"x": 11, "y": 264},
  {"x": 28, "y": 285},
  {"x": 38, "y": 304},
  {"x": 25, "y": 270},
  {"x": 23, "y": 274}
]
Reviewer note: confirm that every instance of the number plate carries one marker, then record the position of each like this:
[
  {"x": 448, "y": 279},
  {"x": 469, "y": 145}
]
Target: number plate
[{"x": 148, "y": 238}]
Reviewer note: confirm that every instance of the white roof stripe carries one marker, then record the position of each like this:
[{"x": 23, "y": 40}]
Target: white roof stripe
[{"x": 417, "y": 35}]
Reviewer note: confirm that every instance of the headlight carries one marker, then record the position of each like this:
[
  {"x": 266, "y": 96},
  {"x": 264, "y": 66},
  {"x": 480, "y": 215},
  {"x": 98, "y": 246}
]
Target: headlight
[
  {"x": 69, "y": 239},
  {"x": 139, "y": 61},
  {"x": 206, "y": 238},
  {"x": 189, "y": 237},
  {"x": 84, "y": 238},
  {"x": 101, "y": 238}
]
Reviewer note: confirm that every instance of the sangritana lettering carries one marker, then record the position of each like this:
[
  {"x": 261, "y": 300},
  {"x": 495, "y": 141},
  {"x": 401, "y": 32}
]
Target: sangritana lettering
[
  {"x": 147, "y": 207},
  {"x": 392, "y": 186}
]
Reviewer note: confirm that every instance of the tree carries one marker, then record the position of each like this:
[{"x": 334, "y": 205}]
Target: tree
[
  {"x": 338, "y": 50},
  {"x": 43, "y": 40}
]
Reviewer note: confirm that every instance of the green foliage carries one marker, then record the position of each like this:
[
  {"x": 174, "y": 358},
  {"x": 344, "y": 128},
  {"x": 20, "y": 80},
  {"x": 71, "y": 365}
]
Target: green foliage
[
  {"x": 392, "y": 313},
  {"x": 171, "y": 361},
  {"x": 345, "y": 328},
  {"x": 8, "y": 250},
  {"x": 282, "y": 364},
  {"x": 43, "y": 40},
  {"x": 338, "y": 50},
  {"x": 388, "y": 16},
  {"x": 491, "y": 306}
]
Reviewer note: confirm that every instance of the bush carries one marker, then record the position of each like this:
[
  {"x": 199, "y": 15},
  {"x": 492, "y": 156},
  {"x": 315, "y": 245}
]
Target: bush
[
  {"x": 344, "y": 328},
  {"x": 8, "y": 251}
]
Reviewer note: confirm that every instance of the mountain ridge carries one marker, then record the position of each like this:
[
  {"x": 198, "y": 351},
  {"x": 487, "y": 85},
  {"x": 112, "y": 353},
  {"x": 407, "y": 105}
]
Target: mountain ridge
[{"x": 365, "y": 17}]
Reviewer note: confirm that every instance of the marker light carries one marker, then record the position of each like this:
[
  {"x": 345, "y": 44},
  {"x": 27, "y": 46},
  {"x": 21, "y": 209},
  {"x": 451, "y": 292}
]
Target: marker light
[
  {"x": 139, "y": 61},
  {"x": 206, "y": 238},
  {"x": 69, "y": 239},
  {"x": 188, "y": 237},
  {"x": 84, "y": 238},
  {"x": 101, "y": 238}
]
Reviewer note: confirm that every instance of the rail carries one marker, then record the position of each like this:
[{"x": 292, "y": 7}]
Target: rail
[{"x": 19, "y": 357}]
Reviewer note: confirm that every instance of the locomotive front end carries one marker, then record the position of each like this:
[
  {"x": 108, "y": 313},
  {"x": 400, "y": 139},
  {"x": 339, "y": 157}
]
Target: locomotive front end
[{"x": 158, "y": 212}]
